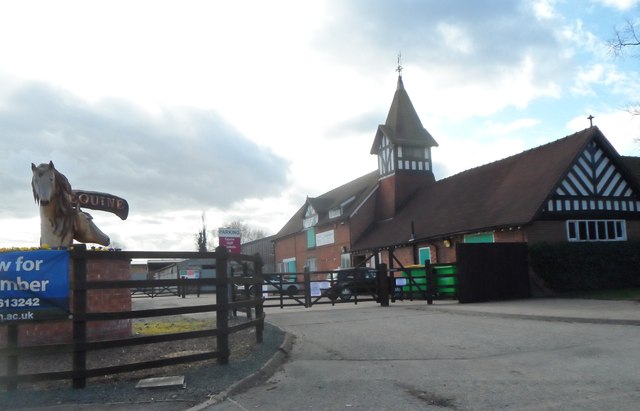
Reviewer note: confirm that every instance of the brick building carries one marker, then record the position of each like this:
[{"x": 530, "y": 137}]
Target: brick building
[{"x": 577, "y": 188}]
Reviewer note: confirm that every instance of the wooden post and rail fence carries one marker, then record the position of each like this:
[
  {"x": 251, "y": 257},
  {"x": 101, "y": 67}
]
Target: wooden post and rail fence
[{"x": 85, "y": 296}]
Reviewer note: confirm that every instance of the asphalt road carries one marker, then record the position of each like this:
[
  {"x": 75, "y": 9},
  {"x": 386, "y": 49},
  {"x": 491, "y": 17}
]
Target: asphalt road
[{"x": 419, "y": 357}]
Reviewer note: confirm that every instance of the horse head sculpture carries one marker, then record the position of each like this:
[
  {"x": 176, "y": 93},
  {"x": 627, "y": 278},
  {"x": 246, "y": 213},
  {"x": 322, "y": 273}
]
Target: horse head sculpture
[{"x": 60, "y": 221}]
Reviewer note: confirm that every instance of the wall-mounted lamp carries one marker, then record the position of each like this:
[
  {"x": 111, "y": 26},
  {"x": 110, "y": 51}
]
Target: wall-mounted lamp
[
  {"x": 447, "y": 243},
  {"x": 343, "y": 249}
]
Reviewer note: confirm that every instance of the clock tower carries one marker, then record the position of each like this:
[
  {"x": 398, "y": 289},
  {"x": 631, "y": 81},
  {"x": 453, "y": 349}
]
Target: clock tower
[{"x": 403, "y": 147}]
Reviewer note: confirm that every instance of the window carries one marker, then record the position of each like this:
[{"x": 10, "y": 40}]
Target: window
[
  {"x": 413, "y": 153},
  {"x": 335, "y": 212},
  {"x": 289, "y": 265},
  {"x": 345, "y": 260},
  {"x": 310, "y": 217},
  {"x": 596, "y": 230},
  {"x": 486, "y": 237},
  {"x": 311, "y": 237},
  {"x": 311, "y": 264}
]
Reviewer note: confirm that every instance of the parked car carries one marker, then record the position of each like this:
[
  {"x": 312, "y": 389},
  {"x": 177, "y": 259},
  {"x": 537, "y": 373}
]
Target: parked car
[
  {"x": 276, "y": 285},
  {"x": 350, "y": 281}
]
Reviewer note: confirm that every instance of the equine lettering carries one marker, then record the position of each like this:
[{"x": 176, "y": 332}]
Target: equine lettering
[
  {"x": 101, "y": 201},
  {"x": 95, "y": 200}
]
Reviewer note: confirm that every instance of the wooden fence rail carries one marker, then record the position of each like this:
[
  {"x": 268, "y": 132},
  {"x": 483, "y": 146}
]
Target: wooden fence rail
[{"x": 81, "y": 345}]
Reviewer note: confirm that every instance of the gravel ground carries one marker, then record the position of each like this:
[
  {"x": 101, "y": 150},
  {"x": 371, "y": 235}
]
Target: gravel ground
[{"x": 202, "y": 379}]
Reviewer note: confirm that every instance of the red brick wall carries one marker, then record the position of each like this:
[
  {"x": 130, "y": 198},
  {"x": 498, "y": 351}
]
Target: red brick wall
[
  {"x": 408, "y": 183},
  {"x": 396, "y": 189},
  {"x": 444, "y": 254},
  {"x": 551, "y": 231},
  {"x": 286, "y": 247},
  {"x": 509, "y": 236},
  {"x": 633, "y": 230},
  {"x": 327, "y": 256},
  {"x": 113, "y": 300},
  {"x": 97, "y": 301}
]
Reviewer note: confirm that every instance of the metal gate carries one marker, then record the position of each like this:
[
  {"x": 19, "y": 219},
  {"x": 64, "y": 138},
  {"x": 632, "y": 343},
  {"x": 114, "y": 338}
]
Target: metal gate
[{"x": 352, "y": 285}]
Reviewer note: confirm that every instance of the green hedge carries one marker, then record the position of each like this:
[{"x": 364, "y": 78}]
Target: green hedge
[{"x": 587, "y": 266}]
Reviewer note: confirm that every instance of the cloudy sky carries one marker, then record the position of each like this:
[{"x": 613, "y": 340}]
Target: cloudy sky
[{"x": 240, "y": 109}]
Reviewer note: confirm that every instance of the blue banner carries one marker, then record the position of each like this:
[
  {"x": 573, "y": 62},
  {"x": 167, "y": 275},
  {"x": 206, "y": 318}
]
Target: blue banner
[{"x": 34, "y": 285}]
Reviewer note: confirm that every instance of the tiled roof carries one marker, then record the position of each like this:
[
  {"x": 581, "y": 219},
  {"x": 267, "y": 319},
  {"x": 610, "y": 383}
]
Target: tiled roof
[
  {"x": 357, "y": 189},
  {"x": 633, "y": 165},
  {"x": 508, "y": 192}
]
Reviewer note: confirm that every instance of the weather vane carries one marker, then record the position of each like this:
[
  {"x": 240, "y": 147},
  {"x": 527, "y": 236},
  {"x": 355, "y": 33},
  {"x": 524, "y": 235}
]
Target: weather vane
[{"x": 399, "y": 69}]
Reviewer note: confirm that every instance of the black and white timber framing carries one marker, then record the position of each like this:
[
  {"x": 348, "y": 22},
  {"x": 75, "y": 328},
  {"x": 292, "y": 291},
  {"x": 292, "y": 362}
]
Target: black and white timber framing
[{"x": 594, "y": 183}]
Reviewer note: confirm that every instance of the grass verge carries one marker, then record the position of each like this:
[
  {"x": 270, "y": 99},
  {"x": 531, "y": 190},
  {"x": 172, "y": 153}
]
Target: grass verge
[{"x": 167, "y": 326}]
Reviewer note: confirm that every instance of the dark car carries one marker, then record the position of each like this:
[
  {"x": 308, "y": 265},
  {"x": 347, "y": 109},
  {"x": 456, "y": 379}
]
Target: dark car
[
  {"x": 276, "y": 285},
  {"x": 347, "y": 282}
]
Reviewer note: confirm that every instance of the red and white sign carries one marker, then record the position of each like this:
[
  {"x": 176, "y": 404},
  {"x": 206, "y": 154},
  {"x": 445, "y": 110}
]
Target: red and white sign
[{"x": 230, "y": 238}]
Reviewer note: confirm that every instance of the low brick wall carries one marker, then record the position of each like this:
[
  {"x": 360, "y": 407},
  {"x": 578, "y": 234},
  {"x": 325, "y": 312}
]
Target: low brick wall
[{"x": 110, "y": 300}]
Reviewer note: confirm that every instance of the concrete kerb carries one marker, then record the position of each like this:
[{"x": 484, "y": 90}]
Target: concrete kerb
[
  {"x": 542, "y": 317},
  {"x": 556, "y": 310},
  {"x": 267, "y": 370}
]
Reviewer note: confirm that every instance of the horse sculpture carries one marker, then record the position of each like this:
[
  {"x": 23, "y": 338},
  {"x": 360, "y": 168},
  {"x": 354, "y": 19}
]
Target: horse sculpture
[{"x": 60, "y": 221}]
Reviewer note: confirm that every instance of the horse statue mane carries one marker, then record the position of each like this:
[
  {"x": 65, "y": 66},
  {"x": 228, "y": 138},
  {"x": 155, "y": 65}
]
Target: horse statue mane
[{"x": 60, "y": 221}]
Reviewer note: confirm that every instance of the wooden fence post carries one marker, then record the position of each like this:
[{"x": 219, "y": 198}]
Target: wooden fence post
[
  {"x": 307, "y": 287},
  {"x": 222, "y": 301},
  {"x": 430, "y": 281},
  {"x": 12, "y": 357},
  {"x": 383, "y": 285},
  {"x": 79, "y": 319},
  {"x": 259, "y": 301}
]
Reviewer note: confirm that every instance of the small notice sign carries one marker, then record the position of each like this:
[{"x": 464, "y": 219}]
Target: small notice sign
[{"x": 34, "y": 285}]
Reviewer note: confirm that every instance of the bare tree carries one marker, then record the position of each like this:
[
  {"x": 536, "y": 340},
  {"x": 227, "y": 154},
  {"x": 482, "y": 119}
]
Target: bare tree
[
  {"x": 625, "y": 39},
  {"x": 625, "y": 42},
  {"x": 201, "y": 237}
]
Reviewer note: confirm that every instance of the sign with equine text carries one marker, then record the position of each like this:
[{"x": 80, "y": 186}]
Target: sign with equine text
[
  {"x": 230, "y": 238},
  {"x": 34, "y": 285},
  {"x": 101, "y": 201}
]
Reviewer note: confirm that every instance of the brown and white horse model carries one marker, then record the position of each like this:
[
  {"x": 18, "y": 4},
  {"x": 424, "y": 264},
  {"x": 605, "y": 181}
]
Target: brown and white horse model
[{"x": 60, "y": 221}]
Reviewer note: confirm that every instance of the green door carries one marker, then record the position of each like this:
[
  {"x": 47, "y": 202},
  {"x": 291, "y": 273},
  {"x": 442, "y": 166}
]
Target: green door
[{"x": 424, "y": 254}]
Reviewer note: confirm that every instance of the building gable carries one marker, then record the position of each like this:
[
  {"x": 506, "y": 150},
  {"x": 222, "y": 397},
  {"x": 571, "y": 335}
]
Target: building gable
[{"x": 595, "y": 182}]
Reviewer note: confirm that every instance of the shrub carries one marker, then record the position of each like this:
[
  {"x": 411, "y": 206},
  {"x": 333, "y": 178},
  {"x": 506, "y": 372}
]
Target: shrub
[{"x": 588, "y": 265}]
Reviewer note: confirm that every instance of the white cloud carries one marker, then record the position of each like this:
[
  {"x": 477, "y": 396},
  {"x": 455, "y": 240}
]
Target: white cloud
[
  {"x": 544, "y": 9},
  {"x": 620, "y": 127},
  {"x": 455, "y": 38},
  {"x": 586, "y": 77},
  {"x": 501, "y": 129},
  {"x": 622, "y": 5}
]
